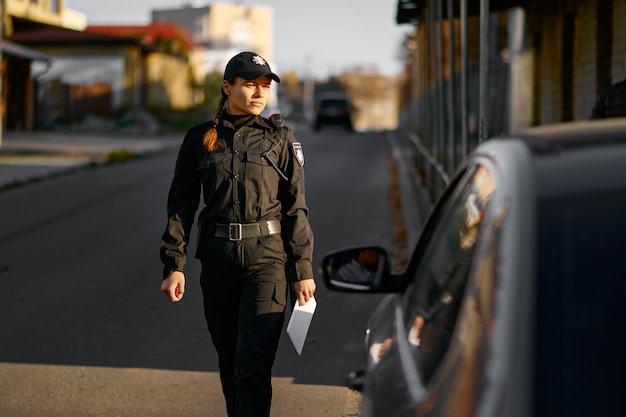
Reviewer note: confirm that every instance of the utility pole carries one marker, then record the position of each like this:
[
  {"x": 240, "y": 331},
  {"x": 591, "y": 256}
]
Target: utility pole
[{"x": 309, "y": 91}]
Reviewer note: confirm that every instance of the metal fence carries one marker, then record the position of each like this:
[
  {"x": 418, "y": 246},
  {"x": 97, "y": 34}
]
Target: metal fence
[{"x": 460, "y": 88}]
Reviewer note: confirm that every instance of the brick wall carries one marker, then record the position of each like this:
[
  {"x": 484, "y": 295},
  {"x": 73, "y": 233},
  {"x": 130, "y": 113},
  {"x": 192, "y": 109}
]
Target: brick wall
[
  {"x": 574, "y": 49},
  {"x": 547, "y": 23},
  {"x": 619, "y": 41},
  {"x": 569, "y": 53},
  {"x": 585, "y": 51}
]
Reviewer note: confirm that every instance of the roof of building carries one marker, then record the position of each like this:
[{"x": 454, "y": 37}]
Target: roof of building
[
  {"x": 20, "y": 51},
  {"x": 149, "y": 34},
  {"x": 57, "y": 35},
  {"x": 411, "y": 11}
]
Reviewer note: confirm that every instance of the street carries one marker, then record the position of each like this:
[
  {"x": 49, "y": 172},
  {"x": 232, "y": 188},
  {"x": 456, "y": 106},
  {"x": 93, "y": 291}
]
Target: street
[{"x": 86, "y": 330}]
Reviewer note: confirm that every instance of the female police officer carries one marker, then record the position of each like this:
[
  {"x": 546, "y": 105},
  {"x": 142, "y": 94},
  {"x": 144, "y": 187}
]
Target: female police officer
[{"x": 253, "y": 233}]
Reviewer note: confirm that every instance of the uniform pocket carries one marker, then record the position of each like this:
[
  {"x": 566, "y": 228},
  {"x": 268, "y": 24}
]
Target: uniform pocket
[
  {"x": 255, "y": 168},
  {"x": 212, "y": 168},
  {"x": 279, "y": 298},
  {"x": 266, "y": 293},
  {"x": 210, "y": 160}
]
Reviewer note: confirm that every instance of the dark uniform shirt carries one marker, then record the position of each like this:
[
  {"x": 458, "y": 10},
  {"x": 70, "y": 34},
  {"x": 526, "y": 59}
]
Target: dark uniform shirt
[{"x": 254, "y": 175}]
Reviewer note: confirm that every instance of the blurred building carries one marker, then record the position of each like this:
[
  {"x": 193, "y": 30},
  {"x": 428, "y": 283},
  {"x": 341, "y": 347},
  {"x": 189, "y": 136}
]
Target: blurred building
[
  {"x": 374, "y": 98},
  {"x": 170, "y": 69},
  {"x": 22, "y": 14},
  {"x": 18, "y": 94},
  {"x": 544, "y": 61},
  {"x": 108, "y": 70},
  {"x": 224, "y": 29},
  {"x": 61, "y": 71}
]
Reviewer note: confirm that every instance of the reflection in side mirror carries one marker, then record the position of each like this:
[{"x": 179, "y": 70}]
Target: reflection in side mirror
[{"x": 356, "y": 269}]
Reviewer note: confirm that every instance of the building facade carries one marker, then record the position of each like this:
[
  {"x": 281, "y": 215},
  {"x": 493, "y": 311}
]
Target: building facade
[
  {"x": 19, "y": 88},
  {"x": 22, "y": 13},
  {"x": 224, "y": 29},
  {"x": 544, "y": 62},
  {"x": 106, "y": 70}
]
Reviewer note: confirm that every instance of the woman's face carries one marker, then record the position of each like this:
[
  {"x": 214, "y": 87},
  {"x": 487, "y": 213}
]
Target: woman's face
[{"x": 247, "y": 96}]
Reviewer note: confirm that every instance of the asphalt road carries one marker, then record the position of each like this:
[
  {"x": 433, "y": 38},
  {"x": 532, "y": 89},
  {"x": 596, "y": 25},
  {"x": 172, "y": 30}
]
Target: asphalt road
[{"x": 86, "y": 331}]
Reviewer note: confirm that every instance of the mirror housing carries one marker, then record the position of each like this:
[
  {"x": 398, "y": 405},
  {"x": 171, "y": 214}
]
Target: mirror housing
[{"x": 360, "y": 269}]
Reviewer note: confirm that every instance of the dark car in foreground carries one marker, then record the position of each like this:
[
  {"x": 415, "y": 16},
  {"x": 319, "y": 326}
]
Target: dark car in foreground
[
  {"x": 333, "y": 109},
  {"x": 512, "y": 303}
]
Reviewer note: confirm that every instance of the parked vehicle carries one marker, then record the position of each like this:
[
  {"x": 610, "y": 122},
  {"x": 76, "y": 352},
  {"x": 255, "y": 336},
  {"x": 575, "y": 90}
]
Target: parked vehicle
[
  {"x": 333, "y": 109},
  {"x": 512, "y": 302}
]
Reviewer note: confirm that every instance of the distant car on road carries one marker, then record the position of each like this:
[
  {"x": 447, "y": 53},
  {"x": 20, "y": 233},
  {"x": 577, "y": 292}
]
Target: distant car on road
[
  {"x": 333, "y": 109},
  {"x": 513, "y": 301}
]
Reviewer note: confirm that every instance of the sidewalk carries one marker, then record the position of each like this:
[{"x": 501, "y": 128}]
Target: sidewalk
[
  {"x": 28, "y": 156},
  {"x": 28, "y": 390}
]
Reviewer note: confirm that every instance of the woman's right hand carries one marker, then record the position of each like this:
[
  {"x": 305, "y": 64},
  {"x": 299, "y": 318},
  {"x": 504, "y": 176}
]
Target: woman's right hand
[{"x": 174, "y": 286}]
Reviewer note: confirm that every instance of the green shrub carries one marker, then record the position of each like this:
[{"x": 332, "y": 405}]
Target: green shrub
[{"x": 119, "y": 155}]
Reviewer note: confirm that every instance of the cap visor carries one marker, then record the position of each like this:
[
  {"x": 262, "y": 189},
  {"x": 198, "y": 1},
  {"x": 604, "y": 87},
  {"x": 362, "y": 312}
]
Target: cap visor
[{"x": 253, "y": 75}]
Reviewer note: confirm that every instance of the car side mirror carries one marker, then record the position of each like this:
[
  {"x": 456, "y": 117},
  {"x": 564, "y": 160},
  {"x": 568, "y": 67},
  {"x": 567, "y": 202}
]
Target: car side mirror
[{"x": 358, "y": 269}]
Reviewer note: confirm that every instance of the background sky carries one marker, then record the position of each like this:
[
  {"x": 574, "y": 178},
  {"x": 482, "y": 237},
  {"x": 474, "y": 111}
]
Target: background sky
[{"x": 313, "y": 37}]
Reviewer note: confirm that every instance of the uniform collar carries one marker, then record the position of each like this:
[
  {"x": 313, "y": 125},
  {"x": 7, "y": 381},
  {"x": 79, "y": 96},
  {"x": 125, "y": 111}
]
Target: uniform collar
[{"x": 254, "y": 120}]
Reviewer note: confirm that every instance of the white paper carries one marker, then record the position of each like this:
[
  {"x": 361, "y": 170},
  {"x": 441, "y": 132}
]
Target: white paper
[{"x": 299, "y": 323}]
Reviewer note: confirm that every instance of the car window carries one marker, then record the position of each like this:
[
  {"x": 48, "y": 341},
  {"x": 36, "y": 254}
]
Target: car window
[
  {"x": 333, "y": 103},
  {"x": 432, "y": 300},
  {"x": 581, "y": 282}
]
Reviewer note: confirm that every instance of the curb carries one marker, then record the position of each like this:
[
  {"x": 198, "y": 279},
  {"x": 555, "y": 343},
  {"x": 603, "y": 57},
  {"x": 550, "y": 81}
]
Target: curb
[{"x": 30, "y": 158}]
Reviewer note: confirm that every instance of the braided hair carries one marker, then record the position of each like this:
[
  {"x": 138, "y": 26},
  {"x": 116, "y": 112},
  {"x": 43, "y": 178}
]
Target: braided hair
[{"x": 210, "y": 137}]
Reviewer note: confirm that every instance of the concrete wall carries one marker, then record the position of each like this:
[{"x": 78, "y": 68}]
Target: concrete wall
[
  {"x": 243, "y": 27},
  {"x": 49, "y": 12},
  {"x": 168, "y": 82},
  {"x": 224, "y": 29}
]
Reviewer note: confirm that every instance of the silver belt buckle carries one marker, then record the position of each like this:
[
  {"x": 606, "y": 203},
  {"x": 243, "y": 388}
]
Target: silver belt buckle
[
  {"x": 234, "y": 232},
  {"x": 273, "y": 227}
]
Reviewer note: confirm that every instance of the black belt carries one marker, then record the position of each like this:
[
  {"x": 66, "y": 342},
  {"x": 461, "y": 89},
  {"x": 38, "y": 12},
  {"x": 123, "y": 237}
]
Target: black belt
[{"x": 238, "y": 231}]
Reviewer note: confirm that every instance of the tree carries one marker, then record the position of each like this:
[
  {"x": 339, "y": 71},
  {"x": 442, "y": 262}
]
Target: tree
[{"x": 212, "y": 90}]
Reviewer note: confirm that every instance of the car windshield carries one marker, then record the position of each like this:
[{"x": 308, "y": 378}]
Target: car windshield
[
  {"x": 328, "y": 103},
  {"x": 579, "y": 349}
]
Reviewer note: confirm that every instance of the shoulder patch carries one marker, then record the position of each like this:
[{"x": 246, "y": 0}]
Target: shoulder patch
[{"x": 297, "y": 152}]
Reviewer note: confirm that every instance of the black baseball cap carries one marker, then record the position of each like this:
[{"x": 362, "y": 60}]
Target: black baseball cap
[{"x": 249, "y": 66}]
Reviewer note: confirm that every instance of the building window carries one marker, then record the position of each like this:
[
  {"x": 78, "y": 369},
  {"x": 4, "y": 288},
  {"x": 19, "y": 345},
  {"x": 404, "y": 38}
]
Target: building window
[{"x": 241, "y": 33}]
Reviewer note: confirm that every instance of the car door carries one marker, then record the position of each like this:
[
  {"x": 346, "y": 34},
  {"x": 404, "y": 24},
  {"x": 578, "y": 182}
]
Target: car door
[{"x": 403, "y": 364}]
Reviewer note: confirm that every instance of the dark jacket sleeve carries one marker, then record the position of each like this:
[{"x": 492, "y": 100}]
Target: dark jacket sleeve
[
  {"x": 296, "y": 231},
  {"x": 182, "y": 203}
]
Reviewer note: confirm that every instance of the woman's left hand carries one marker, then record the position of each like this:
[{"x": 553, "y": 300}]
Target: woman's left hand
[{"x": 304, "y": 290}]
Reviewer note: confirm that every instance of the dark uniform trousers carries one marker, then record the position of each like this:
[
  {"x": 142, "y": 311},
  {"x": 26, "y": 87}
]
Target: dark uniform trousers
[{"x": 245, "y": 293}]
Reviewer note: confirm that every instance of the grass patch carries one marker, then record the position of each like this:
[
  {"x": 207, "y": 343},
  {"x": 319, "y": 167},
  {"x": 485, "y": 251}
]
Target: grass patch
[
  {"x": 114, "y": 157},
  {"x": 17, "y": 153},
  {"x": 120, "y": 155},
  {"x": 400, "y": 235}
]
